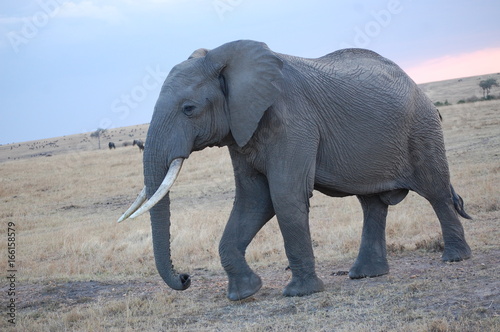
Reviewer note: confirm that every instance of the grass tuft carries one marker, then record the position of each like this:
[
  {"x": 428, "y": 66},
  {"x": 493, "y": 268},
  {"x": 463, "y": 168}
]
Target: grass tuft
[{"x": 435, "y": 244}]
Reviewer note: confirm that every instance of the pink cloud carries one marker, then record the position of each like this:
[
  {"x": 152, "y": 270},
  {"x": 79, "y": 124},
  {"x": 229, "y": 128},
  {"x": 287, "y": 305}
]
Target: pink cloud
[{"x": 480, "y": 62}]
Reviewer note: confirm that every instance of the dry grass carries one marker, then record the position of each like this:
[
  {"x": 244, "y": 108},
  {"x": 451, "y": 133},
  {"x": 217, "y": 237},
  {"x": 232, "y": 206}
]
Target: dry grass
[{"x": 80, "y": 270}]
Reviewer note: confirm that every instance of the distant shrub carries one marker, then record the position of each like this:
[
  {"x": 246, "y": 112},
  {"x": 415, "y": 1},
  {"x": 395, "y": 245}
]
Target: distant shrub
[
  {"x": 438, "y": 103},
  {"x": 472, "y": 99}
]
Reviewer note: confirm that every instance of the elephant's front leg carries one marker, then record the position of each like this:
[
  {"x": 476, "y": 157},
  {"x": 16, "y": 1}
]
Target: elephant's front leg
[
  {"x": 252, "y": 209},
  {"x": 247, "y": 218},
  {"x": 291, "y": 204}
]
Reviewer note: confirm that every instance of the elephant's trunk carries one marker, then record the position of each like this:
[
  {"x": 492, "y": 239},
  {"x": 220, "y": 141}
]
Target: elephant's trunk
[
  {"x": 155, "y": 176},
  {"x": 160, "y": 225},
  {"x": 159, "y": 208}
]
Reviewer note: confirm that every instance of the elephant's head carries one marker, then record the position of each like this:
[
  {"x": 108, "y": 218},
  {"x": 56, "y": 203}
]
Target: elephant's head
[{"x": 214, "y": 98}]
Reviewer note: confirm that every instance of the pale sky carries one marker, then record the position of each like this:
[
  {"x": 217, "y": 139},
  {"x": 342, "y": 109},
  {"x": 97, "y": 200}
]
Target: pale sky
[{"x": 72, "y": 66}]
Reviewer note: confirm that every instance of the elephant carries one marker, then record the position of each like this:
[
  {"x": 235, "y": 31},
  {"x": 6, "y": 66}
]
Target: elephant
[
  {"x": 111, "y": 145},
  {"x": 139, "y": 144},
  {"x": 348, "y": 123}
]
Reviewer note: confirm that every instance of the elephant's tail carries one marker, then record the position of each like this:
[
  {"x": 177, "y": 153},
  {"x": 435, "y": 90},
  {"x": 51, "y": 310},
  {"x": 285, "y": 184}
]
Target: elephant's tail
[{"x": 458, "y": 202}]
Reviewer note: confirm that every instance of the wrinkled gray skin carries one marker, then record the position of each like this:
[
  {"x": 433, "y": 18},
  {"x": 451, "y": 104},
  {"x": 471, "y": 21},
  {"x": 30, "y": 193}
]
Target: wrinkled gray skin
[{"x": 348, "y": 123}]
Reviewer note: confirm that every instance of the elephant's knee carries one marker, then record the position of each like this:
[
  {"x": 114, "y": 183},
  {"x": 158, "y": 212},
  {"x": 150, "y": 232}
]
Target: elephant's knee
[{"x": 228, "y": 254}]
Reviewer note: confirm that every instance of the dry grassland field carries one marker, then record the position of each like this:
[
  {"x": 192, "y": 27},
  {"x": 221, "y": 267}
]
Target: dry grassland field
[{"x": 79, "y": 270}]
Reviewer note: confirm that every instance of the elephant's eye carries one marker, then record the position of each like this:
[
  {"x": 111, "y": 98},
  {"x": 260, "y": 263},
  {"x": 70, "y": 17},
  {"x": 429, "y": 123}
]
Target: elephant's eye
[{"x": 188, "y": 109}]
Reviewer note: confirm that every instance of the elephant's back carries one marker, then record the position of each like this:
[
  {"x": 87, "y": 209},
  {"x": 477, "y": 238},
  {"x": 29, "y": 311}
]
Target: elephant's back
[
  {"x": 360, "y": 85},
  {"x": 359, "y": 67},
  {"x": 363, "y": 65}
]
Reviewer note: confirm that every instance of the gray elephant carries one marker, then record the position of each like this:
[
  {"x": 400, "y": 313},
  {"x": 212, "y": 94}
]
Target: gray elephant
[
  {"x": 111, "y": 145},
  {"x": 348, "y": 123}
]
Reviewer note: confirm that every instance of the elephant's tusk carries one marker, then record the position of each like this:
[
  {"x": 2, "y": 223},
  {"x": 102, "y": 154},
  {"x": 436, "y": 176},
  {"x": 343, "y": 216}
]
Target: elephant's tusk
[
  {"x": 137, "y": 204},
  {"x": 163, "y": 189}
]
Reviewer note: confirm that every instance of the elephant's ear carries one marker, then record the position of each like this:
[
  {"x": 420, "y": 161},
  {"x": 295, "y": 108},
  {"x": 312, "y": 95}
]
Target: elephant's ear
[
  {"x": 251, "y": 78},
  {"x": 199, "y": 53}
]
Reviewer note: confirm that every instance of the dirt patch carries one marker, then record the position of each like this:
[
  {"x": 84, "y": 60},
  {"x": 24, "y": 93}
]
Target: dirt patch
[
  {"x": 58, "y": 295},
  {"x": 419, "y": 283}
]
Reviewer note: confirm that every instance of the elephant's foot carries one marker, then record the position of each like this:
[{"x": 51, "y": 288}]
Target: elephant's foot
[
  {"x": 456, "y": 252},
  {"x": 240, "y": 287},
  {"x": 368, "y": 268},
  {"x": 304, "y": 286}
]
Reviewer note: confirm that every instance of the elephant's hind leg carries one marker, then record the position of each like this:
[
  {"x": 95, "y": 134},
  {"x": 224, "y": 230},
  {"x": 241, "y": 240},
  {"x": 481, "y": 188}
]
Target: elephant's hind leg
[
  {"x": 433, "y": 184},
  {"x": 372, "y": 257},
  {"x": 431, "y": 180},
  {"x": 455, "y": 246}
]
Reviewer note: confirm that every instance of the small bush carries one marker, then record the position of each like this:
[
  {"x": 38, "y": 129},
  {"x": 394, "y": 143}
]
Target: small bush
[
  {"x": 395, "y": 248},
  {"x": 439, "y": 325},
  {"x": 432, "y": 245},
  {"x": 438, "y": 103},
  {"x": 472, "y": 99}
]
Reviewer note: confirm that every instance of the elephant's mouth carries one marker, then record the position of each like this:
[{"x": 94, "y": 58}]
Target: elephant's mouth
[{"x": 140, "y": 205}]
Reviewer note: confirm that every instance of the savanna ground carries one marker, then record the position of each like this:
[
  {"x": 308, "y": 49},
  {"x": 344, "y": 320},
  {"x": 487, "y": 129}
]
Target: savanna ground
[{"x": 78, "y": 270}]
